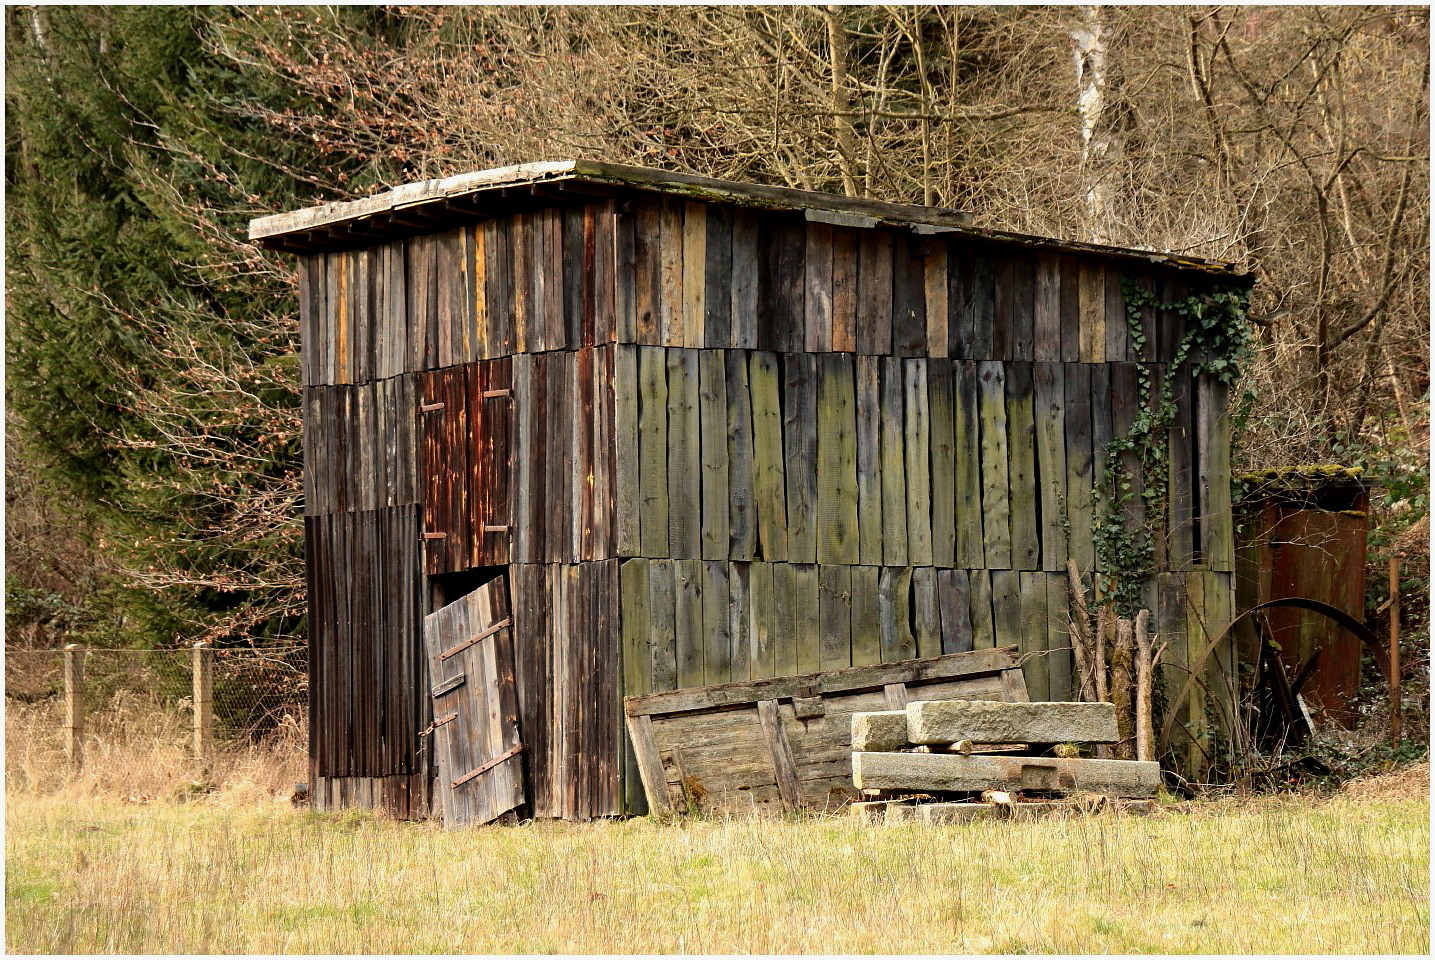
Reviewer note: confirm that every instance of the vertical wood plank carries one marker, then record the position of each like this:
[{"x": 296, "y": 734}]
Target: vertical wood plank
[
  {"x": 764, "y": 620},
  {"x": 684, "y": 471},
  {"x": 909, "y": 298},
  {"x": 1079, "y": 476},
  {"x": 1025, "y": 496},
  {"x": 1035, "y": 635},
  {"x": 894, "y": 465},
  {"x": 519, "y": 239},
  {"x": 581, "y": 471},
  {"x": 1046, "y": 333},
  {"x": 553, "y": 276},
  {"x": 1058, "y": 644},
  {"x": 1070, "y": 270},
  {"x": 742, "y": 505},
  {"x": 653, "y": 451},
  {"x": 894, "y": 593},
  {"x": 636, "y": 661},
  {"x": 648, "y": 271},
  {"x": 769, "y": 482},
  {"x": 978, "y": 305},
  {"x": 783, "y": 637},
  {"x": 717, "y": 287},
  {"x": 799, "y": 429},
  {"x": 983, "y": 617},
  {"x": 1101, "y": 432},
  {"x": 996, "y": 508},
  {"x": 817, "y": 282},
  {"x": 1214, "y": 435},
  {"x": 845, "y": 244},
  {"x": 970, "y": 548},
  {"x": 739, "y": 621},
  {"x": 919, "y": 476},
  {"x": 670, "y": 272},
  {"x": 476, "y": 327},
  {"x": 1003, "y": 305},
  {"x": 835, "y": 615},
  {"x": 806, "y": 601},
  {"x": 866, "y": 616},
  {"x": 625, "y": 275},
  {"x": 744, "y": 280},
  {"x": 627, "y": 465},
  {"x": 837, "y": 533},
  {"x": 926, "y": 621},
  {"x": 1023, "y": 306},
  {"x": 954, "y": 608},
  {"x": 662, "y": 624},
  {"x": 691, "y": 639},
  {"x": 717, "y": 634},
  {"x": 869, "y": 461},
  {"x": 714, "y": 428},
  {"x": 940, "y": 386},
  {"x": 1050, "y": 387},
  {"x": 1118, "y": 340},
  {"x": 874, "y": 293},
  {"x": 1006, "y": 607},
  {"x": 1181, "y": 492},
  {"x": 576, "y": 328},
  {"x": 695, "y": 256},
  {"x": 498, "y": 281},
  {"x": 780, "y": 293},
  {"x": 1091, "y": 326},
  {"x": 935, "y": 290}
]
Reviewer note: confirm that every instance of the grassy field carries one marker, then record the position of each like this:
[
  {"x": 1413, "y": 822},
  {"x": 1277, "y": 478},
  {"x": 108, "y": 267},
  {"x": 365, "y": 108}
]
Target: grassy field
[{"x": 1342, "y": 874}]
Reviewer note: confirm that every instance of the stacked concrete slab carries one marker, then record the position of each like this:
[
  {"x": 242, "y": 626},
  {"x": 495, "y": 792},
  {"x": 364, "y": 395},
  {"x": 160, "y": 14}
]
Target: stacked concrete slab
[{"x": 958, "y": 760}]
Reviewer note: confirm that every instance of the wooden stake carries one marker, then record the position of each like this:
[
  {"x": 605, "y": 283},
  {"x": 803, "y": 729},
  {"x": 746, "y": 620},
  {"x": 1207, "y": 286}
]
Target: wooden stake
[
  {"x": 75, "y": 705},
  {"x": 203, "y": 702},
  {"x": 1081, "y": 645},
  {"x": 1122, "y": 655},
  {"x": 1144, "y": 662},
  {"x": 1394, "y": 651}
]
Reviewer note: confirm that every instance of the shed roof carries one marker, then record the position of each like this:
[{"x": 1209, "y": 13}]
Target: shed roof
[{"x": 428, "y": 205}]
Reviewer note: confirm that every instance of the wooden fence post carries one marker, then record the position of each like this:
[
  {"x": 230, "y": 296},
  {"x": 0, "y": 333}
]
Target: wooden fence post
[
  {"x": 75, "y": 705},
  {"x": 1395, "y": 651},
  {"x": 203, "y": 701}
]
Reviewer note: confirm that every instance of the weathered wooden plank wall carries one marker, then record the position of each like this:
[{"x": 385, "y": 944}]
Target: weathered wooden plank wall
[{"x": 808, "y": 445}]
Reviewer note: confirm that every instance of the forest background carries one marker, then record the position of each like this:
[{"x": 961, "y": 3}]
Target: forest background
[{"x": 152, "y": 423}]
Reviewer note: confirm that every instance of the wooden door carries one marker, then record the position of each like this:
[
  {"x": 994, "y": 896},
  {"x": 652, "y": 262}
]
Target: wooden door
[
  {"x": 466, "y": 415},
  {"x": 476, "y": 743}
]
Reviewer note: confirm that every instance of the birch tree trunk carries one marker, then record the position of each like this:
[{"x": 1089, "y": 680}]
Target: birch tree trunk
[{"x": 1100, "y": 148}]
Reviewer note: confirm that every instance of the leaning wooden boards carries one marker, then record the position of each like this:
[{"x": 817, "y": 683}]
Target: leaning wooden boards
[{"x": 785, "y": 744}]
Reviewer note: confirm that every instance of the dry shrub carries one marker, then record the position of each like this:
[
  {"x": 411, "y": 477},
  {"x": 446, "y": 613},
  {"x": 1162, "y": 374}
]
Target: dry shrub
[
  {"x": 139, "y": 749},
  {"x": 1410, "y": 782}
]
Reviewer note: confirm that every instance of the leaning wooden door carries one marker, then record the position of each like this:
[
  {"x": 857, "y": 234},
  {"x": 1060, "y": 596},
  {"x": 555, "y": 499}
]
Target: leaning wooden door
[{"x": 476, "y": 741}]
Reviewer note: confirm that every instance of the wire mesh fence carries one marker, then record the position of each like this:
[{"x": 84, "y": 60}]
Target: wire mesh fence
[{"x": 128, "y": 716}]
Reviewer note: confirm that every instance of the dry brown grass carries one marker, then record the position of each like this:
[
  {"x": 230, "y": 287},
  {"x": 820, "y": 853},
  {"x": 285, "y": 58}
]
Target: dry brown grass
[
  {"x": 1405, "y": 783},
  {"x": 138, "y": 750}
]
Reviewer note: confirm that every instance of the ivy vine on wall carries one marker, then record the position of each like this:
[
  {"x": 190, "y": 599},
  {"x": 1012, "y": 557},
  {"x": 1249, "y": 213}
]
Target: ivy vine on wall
[{"x": 1217, "y": 343}]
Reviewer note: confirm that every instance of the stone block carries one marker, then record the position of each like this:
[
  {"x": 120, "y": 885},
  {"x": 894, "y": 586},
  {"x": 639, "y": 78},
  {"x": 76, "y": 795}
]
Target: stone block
[
  {"x": 994, "y": 721},
  {"x": 943, "y": 772},
  {"x": 880, "y": 730}
]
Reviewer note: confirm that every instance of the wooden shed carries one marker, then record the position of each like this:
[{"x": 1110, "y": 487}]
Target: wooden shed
[{"x": 657, "y": 431}]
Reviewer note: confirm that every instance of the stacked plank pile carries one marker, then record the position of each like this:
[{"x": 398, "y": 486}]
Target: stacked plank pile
[{"x": 947, "y": 761}]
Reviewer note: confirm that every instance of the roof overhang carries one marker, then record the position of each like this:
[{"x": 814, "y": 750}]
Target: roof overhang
[{"x": 429, "y": 205}]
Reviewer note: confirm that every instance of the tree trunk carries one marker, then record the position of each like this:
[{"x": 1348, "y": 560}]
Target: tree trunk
[
  {"x": 1121, "y": 664},
  {"x": 1095, "y": 105},
  {"x": 841, "y": 103}
]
